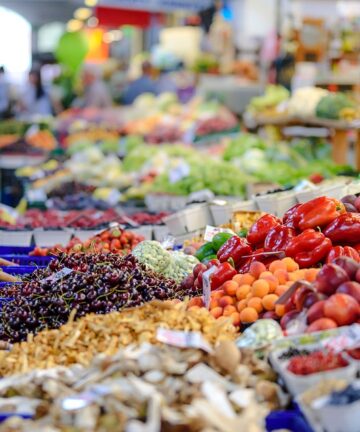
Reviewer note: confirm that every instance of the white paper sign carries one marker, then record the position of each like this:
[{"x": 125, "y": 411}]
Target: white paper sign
[
  {"x": 207, "y": 286},
  {"x": 211, "y": 231},
  {"x": 179, "y": 172},
  {"x": 182, "y": 339},
  {"x": 58, "y": 275}
]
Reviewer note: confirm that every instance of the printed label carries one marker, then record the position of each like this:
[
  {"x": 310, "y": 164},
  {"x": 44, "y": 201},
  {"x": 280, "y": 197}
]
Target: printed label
[
  {"x": 211, "y": 231},
  {"x": 58, "y": 275},
  {"x": 207, "y": 286},
  {"x": 183, "y": 339}
]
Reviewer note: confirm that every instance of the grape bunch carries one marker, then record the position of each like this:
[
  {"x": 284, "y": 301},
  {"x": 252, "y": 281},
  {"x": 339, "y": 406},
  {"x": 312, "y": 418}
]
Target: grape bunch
[{"x": 98, "y": 284}]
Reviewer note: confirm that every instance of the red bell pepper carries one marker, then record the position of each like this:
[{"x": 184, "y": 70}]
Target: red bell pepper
[
  {"x": 346, "y": 251},
  {"x": 357, "y": 247},
  {"x": 345, "y": 229},
  {"x": 223, "y": 273},
  {"x": 309, "y": 248},
  {"x": 318, "y": 212},
  {"x": 260, "y": 229},
  {"x": 235, "y": 248},
  {"x": 278, "y": 238},
  {"x": 290, "y": 217}
]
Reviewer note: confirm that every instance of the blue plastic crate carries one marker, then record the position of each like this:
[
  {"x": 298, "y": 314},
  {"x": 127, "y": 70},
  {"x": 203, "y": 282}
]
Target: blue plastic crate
[
  {"x": 291, "y": 420},
  {"x": 6, "y": 284},
  {"x": 20, "y": 270},
  {"x": 6, "y": 416},
  {"x": 15, "y": 250},
  {"x": 25, "y": 260}
]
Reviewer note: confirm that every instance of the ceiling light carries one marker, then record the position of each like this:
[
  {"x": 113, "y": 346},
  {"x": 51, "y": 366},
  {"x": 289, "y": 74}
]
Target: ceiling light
[
  {"x": 82, "y": 13},
  {"x": 74, "y": 25},
  {"x": 91, "y": 3},
  {"x": 92, "y": 22}
]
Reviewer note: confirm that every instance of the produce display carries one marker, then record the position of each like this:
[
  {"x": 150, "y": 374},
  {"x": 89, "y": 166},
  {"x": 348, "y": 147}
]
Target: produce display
[
  {"x": 254, "y": 301},
  {"x": 79, "y": 342},
  {"x": 115, "y": 241},
  {"x": 149, "y": 387},
  {"x": 80, "y": 284}
]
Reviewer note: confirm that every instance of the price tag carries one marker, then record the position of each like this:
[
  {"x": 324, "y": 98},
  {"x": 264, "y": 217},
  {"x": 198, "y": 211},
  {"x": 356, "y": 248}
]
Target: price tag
[
  {"x": 36, "y": 195},
  {"x": 113, "y": 197},
  {"x": 211, "y": 231},
  {"x": 349, "y": 339},
  {"x": 58, "y": 275},
  {"x": 179, "y": 172},
  {"x": 207, "y": 286},
  {"x": 34, "y": 129},
  {"x": 183, "y": 339}
]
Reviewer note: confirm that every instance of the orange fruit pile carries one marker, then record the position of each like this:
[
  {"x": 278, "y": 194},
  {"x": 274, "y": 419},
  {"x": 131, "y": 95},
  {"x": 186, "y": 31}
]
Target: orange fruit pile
[{"x": 250, "y": 296}]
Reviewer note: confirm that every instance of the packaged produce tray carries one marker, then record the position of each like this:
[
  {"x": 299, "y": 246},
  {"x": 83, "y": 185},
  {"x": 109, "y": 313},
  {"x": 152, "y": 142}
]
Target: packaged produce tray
[{"x": 26, "y": 260}]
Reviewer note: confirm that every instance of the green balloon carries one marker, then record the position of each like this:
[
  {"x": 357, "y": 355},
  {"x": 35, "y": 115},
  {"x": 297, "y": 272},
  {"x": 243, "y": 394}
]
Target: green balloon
[{"x": 72, "y": 50}]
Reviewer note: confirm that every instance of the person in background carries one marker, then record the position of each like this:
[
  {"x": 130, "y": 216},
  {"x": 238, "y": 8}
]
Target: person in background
[
  {"x": 144, "y": 84},
  {"x": 96, "y": 93},
  {"x": 34, "y": 99},
  {"x": 165, "y": 83},
  {"x": 4, "y": 94}
]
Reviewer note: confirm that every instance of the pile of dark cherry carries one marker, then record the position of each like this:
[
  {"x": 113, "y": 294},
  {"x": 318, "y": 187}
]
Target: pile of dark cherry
[{"x": 97, "y": 284}]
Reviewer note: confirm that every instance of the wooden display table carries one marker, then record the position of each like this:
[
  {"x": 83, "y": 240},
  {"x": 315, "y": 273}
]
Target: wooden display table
[{"x": 338, "y": 130}]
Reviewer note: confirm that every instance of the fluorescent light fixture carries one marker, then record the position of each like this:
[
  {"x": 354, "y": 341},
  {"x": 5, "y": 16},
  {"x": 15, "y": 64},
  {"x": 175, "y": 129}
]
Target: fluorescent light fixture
[{"x": 91, "y": 3}]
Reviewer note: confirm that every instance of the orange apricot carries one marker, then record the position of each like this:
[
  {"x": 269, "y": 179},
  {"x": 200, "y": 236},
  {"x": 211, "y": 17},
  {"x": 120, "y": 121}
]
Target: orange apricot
[
  {"x": 244, "y": 279},
  {"x": 196, "y": 301},
  {"x": 269, "y": 301},
  {"x": 226, "y": 300},
  {"x": 273, "y": 282},
  {"x": 260, "y": 288},
  {"x": 229, "y": 309},
  {"x": 277, "y": 265},
  {"x": 280, "y": 290},
  {"x": 241, "y": 305},
  {"x": 281, "y": 275},
  {"x": 256, "y": 268},
  {"x": 235, "y": 318},
  {"x": 280, "y": 310},
  {"x": 255, "y": 303},
  {"x": 310, "y": 274},
  {"x": 290, "y": 264},
  {"x": 264, "y": 274},
  {"x": 242, "y": 291},
  {"x": 248, "y": 315},
  {"x": 193, "y": 308},
  {"x": 217, "y": 294},
  {"x": 230, "y": 287},
  {"x": 214, "y": 303},
  {"x": 216, "y": 312}
]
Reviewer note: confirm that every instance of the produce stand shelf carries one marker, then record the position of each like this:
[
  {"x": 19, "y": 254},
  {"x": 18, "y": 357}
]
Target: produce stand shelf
[{"x": 338, "y": 130}]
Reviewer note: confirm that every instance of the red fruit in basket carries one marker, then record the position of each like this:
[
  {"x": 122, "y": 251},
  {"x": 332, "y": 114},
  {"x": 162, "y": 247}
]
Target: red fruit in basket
[
  {"x": 357, "y": 276},
  {"x": 316, "y": 312},
  {"x": 321, "y": 324},
  {"x": 349, "y": 265},
  {"x": 198, "y": 268},
  {"x": 342, "y": 308},
  {"x": 357, "y": 204},
  {"x": 329, "y": 278},
  {"x": 310, "y": 299},
  {"x": 115, "y": 244},
  {"x": 300, "y": 295},
  {"x": 287, "y": 318},
  {"x": 290, "y": 305},
  {"x": 350, "y": 288}
]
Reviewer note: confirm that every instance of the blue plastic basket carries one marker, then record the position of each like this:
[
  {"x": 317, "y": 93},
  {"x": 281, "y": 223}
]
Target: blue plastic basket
[
  {"x": 25, "y": 260},
  {"x": 6, "y": 284},
  {"x": 20, "y": 270},
  {"x": 292, "y": 420},
  {"x": 15, "y": 250}
]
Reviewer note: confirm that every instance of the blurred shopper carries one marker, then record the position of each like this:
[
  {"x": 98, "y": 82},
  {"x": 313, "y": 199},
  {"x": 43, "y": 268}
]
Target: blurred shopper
[
  {"x": 96, "y": 92},
  {"x": 34, "y": 99},
  {"x": 4, "y": 95},
  {"x": 144, "y": 84}
]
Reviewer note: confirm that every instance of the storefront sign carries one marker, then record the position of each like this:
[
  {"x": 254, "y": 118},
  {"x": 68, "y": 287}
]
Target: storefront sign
[{"x": 160, "y": 5}]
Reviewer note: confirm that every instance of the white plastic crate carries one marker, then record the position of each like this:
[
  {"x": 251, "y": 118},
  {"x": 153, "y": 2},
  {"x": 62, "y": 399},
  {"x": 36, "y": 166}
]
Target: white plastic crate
[
  {"x": 52, "y": 237},
  {"x": 16, "y": 238}
]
